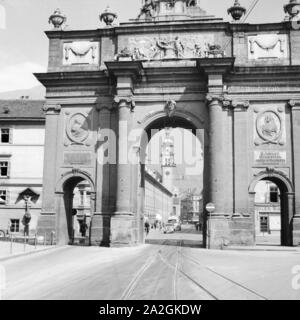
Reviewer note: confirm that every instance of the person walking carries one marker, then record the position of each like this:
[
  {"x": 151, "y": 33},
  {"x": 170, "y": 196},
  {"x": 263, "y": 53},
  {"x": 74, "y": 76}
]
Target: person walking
[{"x": 147, "y": 227}]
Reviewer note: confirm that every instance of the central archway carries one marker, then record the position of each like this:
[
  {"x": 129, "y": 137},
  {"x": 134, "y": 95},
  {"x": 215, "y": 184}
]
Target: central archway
[{"x": 154, "y": 123}]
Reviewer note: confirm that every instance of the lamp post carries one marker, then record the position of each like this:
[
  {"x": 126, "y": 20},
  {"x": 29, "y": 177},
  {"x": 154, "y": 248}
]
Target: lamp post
[{"x": 27, "y": 216}]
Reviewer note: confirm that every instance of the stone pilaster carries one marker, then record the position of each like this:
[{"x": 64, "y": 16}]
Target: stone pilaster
[
  {"x": 47, "y": 219},
  {"x": 295, "y": 117},
  {"x": 216, "y": 153},
  {"x": 241, "y": 156},
  {"x": 123, "y": 222},
  {"x": 100, "y": 226},
  {"x": 124, "y": 226},
  {"x": 218, "y": 223}
]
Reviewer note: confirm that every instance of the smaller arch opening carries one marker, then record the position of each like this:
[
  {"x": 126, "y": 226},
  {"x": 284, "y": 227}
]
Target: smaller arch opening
[
  {"x": 272, "y": 212},
  {"x": 77, "y": 206}
]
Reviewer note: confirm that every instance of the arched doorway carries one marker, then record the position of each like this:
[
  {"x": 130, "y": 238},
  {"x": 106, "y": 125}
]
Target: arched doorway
[
  {"x": 75, "y": 207},
  {"x": 159, "y": 125},
  {"x": 279, "y": 207}
]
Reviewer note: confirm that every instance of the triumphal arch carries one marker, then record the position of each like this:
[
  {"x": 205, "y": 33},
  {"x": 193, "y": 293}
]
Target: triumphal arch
[{"x": 175, "y": 65}]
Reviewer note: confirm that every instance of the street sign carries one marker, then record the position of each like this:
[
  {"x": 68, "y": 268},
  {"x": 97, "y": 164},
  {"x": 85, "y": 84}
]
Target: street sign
[{"x": 210, "y": 207}]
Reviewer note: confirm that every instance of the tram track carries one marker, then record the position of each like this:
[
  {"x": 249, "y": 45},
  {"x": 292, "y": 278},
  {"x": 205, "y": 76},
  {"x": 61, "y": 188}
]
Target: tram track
[
  {"x": 128, "y": 292},
  {"x": 210, "y": 290},
  {"x": 234, "y": 283},
  {"x": 178, "y": 270}
]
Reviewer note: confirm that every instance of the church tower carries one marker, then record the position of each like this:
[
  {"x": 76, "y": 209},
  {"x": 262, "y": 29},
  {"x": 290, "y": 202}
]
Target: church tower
[{"x": 167, "y": 160}]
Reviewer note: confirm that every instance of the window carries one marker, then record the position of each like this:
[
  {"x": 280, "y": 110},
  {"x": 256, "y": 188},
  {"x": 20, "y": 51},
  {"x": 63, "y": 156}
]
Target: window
[
  {"x": 274, "y": 194},
  {"x": 5, "y": 135},
  {"x": 3, "y": 169},
  {"x": 14, "y": 225},
  {"x": 3, "y": 197},
  {"x": 264, "y": 224}
]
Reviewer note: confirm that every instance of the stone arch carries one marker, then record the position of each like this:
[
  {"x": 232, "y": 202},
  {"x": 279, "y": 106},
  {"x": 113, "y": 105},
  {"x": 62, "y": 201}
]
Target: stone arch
[
  {"x": 73, "y": 174},
  {"x": 152, "y": 120},
  {"x": 275, "y": 175},
  {"x": 185, "y": 116},
  {"x": 287, "y": 201},
  {"x": 153, "y": 116},
  {"x": 64, "y": 203}
]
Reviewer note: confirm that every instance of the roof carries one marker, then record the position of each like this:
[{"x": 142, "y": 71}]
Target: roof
[{"x": 22, "y": 110}]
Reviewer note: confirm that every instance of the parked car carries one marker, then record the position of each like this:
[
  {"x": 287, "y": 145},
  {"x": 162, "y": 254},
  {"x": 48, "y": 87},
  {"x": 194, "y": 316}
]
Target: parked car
[
  {"x": 169, "y": 228},
  {"x": 176, "y": 222}
]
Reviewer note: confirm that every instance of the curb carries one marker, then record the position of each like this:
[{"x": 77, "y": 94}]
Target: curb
[
  {"x": 261, "y": 249},
  {"x": 28, "y": 253}
]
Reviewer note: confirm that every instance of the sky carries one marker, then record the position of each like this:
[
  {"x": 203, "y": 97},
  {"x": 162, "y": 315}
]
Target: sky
[{"x": 24, "y": 46}]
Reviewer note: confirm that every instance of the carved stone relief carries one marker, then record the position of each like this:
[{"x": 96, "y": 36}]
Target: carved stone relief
[
  {"x": 78, "y": 128},
  {"x": 81, "y": 52},
  {"x": 169, "y": 46},
  {"x": 267, "y": 46},
  {"x": 270, "y": 127}
]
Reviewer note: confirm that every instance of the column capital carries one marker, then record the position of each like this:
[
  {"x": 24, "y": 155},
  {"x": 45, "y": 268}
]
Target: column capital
[
  {"x": 125, "y": 102},
  {"x": 236, "y": 105},
  {"x": 225, "y": 101},
  {"x": 294, "y": 104},
  {"x": 211, "y": 97},
  {"x": 51, "y": 108},
  {"x": 103, "y": 107}
]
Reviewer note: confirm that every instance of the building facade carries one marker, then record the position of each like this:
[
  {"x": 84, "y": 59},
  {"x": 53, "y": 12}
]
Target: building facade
[
  {"x": 192, "y": 208},
  {"x": 267, "y": 208},
  {"x": 174, "y": 66},
  {"x": 158, "y": 200},
  {"x": 22, "y": 127}
]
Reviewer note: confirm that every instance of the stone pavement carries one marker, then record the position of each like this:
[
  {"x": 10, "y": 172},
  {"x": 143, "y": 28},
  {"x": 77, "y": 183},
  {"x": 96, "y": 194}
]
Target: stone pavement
[{"x": 163, "y": 272}]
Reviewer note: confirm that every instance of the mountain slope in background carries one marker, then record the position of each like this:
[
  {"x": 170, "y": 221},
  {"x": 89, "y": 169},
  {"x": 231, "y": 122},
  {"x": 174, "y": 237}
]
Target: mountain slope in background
[{"x": 36, "y": 93}]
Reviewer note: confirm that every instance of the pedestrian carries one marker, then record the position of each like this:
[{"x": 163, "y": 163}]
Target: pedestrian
[
  {"x": 147, "y": 227},
  {"x": 83, "y": 228}
]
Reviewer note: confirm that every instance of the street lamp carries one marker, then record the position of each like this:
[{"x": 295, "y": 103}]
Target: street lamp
[{"x": 27, "y": 216}]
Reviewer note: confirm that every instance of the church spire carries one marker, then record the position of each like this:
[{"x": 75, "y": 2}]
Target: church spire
[{"x": 168, "y": 160}]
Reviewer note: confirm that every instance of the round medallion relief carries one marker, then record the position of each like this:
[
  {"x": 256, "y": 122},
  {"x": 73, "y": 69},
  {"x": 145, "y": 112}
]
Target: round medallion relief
[
  {"x": 269, "y": 126},
  {"x": 78, "y": 128}
]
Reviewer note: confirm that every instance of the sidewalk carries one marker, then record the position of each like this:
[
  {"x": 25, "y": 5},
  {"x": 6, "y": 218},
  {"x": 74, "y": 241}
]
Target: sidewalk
[
  {"x": 18, "y": 249},
  {"x": 263, "y": 248}
]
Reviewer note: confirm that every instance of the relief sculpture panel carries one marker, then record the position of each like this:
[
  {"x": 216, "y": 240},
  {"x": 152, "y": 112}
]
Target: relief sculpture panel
[
  {"x": 81, "y": 52},
  {"x": 78, "y": 128},
  {"x": 267, "y": 46},
  {"x": 270, "y": 127},
  {"x": 172, "y": 46}
]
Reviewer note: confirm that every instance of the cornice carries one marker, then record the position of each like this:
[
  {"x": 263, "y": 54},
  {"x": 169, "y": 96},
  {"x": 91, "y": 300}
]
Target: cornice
[
  {"x": 215, "y": 65},
  {"x": 132, "y": 69}
]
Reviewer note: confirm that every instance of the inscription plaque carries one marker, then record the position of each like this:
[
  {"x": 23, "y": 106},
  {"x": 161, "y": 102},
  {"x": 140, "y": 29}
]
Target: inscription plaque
[
  {"x": 77, "y": 158},
  {"x": 270, "y": 157}
]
